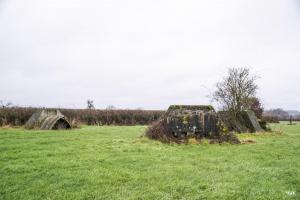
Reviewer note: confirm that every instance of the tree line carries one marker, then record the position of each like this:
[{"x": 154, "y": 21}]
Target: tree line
[{"x": 18, "y": 116}]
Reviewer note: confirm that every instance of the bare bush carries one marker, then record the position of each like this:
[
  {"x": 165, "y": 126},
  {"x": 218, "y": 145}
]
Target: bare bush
[
  {"x": 270, "y": 119},
  {"x": 159, "y": 131},
  {"x": 236, "y": 90},
  {"x": 90, "y": 104}
]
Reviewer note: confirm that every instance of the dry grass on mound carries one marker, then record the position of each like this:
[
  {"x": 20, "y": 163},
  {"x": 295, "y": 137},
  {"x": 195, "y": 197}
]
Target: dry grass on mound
[
  {"x": 228, "y": 137},
  {"x": 159, "y": 131},
  {"x": 248, "y": 141}
]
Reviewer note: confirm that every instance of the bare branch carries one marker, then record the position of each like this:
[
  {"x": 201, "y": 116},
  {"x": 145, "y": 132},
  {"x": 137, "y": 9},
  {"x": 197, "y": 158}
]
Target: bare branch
[{"x": 236, "y": 90}]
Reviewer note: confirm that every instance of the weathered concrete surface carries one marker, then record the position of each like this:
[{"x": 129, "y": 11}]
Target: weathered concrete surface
[
  {"x": 47, "y": 120},
  {"x": 184, "y": 120}
]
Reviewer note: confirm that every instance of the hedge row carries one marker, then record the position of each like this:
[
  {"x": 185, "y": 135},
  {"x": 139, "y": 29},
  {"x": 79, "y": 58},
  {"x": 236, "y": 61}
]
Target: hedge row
[{"x": 17, "y": 116}]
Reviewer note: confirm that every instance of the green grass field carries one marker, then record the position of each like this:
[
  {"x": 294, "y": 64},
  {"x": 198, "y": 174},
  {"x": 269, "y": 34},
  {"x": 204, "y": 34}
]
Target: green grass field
[{"x": 115, "y": 163}]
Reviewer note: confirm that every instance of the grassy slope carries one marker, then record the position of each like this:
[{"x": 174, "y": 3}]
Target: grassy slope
[{"x": 114, "y": 163}]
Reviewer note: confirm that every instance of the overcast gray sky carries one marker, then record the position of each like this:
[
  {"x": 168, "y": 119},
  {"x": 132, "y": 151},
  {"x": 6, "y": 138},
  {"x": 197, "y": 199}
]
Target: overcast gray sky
[{"x": 150, "y": 54}]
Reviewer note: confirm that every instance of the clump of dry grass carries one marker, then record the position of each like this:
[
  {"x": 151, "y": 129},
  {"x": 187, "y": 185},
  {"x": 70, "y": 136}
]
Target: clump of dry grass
[
  {"x": 75, "y": 123},
  {"x": 159, "y": 131},
  {"x": 248, "y": 141},
  {"x": 225, "y": 137}
]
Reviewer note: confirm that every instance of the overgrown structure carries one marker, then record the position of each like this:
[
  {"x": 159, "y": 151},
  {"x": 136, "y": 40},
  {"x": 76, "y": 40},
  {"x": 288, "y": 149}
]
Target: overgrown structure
[
  {"x": 181, "y": 122},
  {"x": 243, "y": 121},
  {"x": 48, "y": 120},
  {"x": 185, "y": 120}
]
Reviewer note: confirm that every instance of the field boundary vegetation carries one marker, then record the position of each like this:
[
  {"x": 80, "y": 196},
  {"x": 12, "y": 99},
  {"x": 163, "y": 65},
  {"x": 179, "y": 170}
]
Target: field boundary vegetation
[{"x": 18, "y": 116}]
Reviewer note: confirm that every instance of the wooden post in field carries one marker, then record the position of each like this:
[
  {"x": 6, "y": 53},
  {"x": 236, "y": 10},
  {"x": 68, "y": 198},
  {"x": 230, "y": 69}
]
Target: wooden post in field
[{"x": 291, "y": 119}]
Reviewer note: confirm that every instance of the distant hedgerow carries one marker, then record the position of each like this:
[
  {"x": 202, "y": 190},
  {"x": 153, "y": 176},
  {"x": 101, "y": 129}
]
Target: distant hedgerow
[{"x": 18, "y": 116}]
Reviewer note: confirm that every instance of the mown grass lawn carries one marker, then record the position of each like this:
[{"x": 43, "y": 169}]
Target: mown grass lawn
[{"x": 115, "y": 163}]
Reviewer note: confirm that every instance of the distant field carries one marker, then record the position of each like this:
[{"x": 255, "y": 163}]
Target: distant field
[{"x": 115, "y": 163}]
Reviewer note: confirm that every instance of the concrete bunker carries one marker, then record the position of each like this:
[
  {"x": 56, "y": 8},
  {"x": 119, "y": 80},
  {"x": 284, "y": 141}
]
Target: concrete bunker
[
  {"x": 186, "y": 120},
  {"x": 242, "y": 122},
  {"x": 48, "y": 120},
  {"x": 182, "y": 122}
]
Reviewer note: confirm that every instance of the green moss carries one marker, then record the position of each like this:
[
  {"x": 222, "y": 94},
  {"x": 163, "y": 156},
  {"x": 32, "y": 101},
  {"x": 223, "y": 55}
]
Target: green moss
[
  {"x": 185, "y": 119},
  {"x": 191, "y": 107}
]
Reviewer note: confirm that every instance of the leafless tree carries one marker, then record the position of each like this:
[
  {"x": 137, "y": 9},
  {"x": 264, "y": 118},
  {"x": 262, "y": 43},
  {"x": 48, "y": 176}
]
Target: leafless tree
[
  {"x": 235, "y": 91},
  {"x": 5, "y": 105},
  {"x": 110, "y": 107},
  {"x": 90, "y": 104}
]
